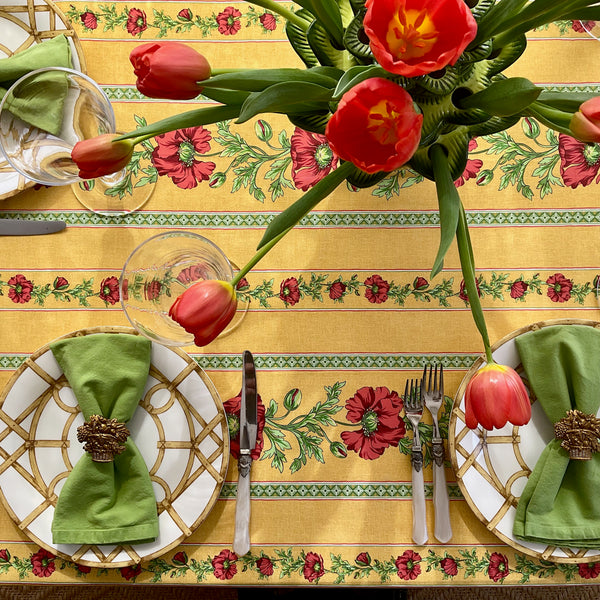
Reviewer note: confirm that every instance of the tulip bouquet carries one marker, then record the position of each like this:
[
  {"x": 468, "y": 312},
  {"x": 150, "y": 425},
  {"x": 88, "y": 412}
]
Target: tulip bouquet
[{"x": 389, "y": 83}]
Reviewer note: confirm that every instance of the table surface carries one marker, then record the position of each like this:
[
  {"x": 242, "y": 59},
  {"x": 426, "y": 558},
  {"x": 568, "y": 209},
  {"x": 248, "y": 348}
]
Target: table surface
[{"x": 344, "y": 306}]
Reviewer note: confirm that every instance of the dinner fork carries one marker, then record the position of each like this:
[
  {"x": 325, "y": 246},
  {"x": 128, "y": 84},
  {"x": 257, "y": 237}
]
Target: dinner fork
[
  {"x": 432, "y": 392},
  {"x": 413, "y": 407}
]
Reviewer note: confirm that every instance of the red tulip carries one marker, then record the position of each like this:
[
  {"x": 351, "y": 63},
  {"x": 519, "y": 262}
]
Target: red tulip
[
  {"x": 205, "y": 309},
  {"x": 375, "y": 126},
  {"x": 415, "y": 37},
  {"x": 585, "y": 123},
  {"x": 101, "y": 156},
  {"x": 496, "y": 395},
  {"x": 169, "y": 70}
]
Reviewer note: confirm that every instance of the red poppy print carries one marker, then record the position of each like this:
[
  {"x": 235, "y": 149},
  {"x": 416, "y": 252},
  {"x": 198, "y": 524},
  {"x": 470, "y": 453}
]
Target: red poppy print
[
  {"x": 377, "y": 411},
  {"x": 265, "y": 566},
  {"x": 136, "y": 21},
  {"x": 407, "y": 565},
  {"x": 175, "y": 156},
  {"x": 498, "y": 566},
  {"x": 4, "y": 555},
  {"x": 84, "y": 569},
  {"x": 268, "y": 21},
  {"x": 42, "y": 563},
  {"x": 363, "y": 559},
  {"x": 129, "y": 573},
  {"x": 224, "y": 565},
  {"x": 377, "y": 289},
  {"x": 89, "y": 20},
  {"x": 337, "y": 290},
  {"x": 462, "y": 292},
  {"x": 185, "y": 14},
  {"x": 449, "y": 566},
  {"x": 579, "y": 161},
  {"x": 20, "y": 289},
  {"x": 190, "y": 274},
  {"x": 180, "y": 558},
  {"x": 109, "y": 290},
  {"x": 60, "y": 283},
  {"x": 560, "y": 287},
  {"x": 152, "y": 290},
  {"x": 289, "y": 291},
  {"x": 312, "y": 158},
  {"x": 583, "y": 26},
  {"x": 589, "y": 570},
  {"x": 228, "y": 21},
  {"x": 313, "y": 566},
  {"x": 472, "y": 167},
  {"x": 518, "y": 289},
  {"x": 420, "y": 283},
  {"x": 232, "y": 410}
]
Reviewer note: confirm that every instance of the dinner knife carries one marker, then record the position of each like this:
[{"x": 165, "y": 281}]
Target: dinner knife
[
  {"x": 26, "y": 227},
  {"x": 248, "y": 433}
]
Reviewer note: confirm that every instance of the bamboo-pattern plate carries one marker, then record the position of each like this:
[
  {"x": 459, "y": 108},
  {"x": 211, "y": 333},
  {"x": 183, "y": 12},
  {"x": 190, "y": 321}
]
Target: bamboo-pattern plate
[
  {"x": 492, "y": 467},
  {"x": 25, "y": 23},
  {"x": 180, "y": 428}
]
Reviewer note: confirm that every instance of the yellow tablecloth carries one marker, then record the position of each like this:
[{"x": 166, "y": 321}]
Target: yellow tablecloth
[{"x": 342, "y": 306}]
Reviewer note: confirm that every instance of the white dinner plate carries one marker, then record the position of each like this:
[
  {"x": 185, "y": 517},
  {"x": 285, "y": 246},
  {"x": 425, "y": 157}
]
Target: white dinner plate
[
  {"x": 180, "y": 428},
  {"x": 22, "y": 24},
  {"x": 492, "y": 467}
]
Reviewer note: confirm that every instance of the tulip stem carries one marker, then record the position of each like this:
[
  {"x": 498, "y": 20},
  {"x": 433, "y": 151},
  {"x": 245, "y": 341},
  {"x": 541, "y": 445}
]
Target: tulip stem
[
  {"x": 282, "y": 11},
  {"x": 553, "y": 118},
  {"x": 256, "y": 258}
]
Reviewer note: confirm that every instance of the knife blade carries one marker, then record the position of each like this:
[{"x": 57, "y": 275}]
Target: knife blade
[
  {"x": 26, "y": 227},
  {"x": 248, "y": 433}
]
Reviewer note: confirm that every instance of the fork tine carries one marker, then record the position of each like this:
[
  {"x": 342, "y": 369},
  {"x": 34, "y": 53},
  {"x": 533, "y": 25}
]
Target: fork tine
[
  {"x": 406, "y": 400},
  {"x": 441, "y": 388}
]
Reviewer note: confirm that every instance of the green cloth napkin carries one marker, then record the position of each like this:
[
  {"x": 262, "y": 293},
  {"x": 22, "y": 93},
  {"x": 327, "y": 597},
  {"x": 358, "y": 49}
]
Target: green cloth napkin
[
  {"x": 43, "y": 104},
  {"x": 106, "y": 503},
  {"x": 560, "y": 504}
]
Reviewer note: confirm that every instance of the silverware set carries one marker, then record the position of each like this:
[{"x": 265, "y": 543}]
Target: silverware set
[{"x": 419, "y": 394}]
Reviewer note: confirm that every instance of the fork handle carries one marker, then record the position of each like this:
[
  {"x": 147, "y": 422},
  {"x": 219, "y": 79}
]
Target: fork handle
[
  {"x": 419, "y": 532},
  {"x": 441, "y": 504}
]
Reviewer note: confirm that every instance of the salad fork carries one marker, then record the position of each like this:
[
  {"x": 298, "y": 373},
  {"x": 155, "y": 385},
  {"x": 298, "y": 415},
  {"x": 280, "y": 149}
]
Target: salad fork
[
  {"x": 413, "y": 407},
  {"x": 432, "y": 392}
]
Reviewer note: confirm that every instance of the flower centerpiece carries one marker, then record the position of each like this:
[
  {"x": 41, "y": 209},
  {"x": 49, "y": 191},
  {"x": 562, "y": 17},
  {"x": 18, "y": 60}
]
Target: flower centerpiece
[{"x": 389, "y": 83}]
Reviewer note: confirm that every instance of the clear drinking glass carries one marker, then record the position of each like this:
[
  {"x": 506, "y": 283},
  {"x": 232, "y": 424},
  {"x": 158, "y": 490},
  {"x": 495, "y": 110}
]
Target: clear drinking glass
[
  {"x": 158, "y": 271},
  {"x": 42, "y": 116}
]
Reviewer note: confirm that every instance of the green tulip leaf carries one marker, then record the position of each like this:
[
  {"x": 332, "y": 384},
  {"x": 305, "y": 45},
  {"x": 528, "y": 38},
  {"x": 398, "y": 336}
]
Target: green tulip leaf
[
  {"x": 357, "y": 5},
  {"x": 448, "y": 202},
  {"x": 231, "y": 97},
  {"x": 286, "y": 98},
  {"x": 327, "y": 13},
  {"x": 493, "y": 125},
  {"x": 299, "y": 42},
  {"x": 326, "y": 53},
  {"x": 567, "y": 101},
  {"x": 257, "y": 80},
  {"x": 192, "y": 118},
  {"x": 355, "y": 75},
  {"x": 492, "y": 18},
  {"x": 504, "y": 97},
  {"x": 316, "y": 122},
  {"x": 363, "y": 180},
  {"x": 294, "y": 213}
]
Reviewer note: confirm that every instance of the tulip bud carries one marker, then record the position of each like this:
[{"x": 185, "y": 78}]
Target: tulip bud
[
  {"x": 292, "y": 399},
  {"x": 494, "y": 396},
  {"x": 100, "y": 155},
  {"x": 205, "y": 309},
  {"x": 263, "y": 130},
  {"x": 530, "y": 128},
  {"x": 169, "y": 70},
  {"x": 338, "y": 449},
  {"x": 585, "y": 123}
]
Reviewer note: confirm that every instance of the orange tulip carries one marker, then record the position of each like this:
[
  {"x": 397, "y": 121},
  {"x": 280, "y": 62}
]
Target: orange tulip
[
  {"x": 169, "y": 70},
  {"x": 205, "y": 309},
  {"x": 585, "y": 123},
  {"x": 494, "y": 396},
  {"x": 375, "y": 126},
  {"x": 101, "y": 156},
  {"x": 415, "y": 37}
]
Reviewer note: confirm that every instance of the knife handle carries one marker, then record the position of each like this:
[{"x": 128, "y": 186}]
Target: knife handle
[
  {"x": 443, "y": 529},
  {"x": 241, "y": 538},
  {"x": 419, "y": 533}
]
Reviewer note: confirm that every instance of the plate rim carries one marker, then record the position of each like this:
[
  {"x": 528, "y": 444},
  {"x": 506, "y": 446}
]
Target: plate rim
[
  {"x": 455, "y": 416},
  {"x": 128, "y": 548}
]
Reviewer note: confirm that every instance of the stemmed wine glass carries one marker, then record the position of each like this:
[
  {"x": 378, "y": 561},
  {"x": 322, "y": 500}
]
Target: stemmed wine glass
[
  {"x": 161, "y": 268},
  {"x": 42, "y": 116}
]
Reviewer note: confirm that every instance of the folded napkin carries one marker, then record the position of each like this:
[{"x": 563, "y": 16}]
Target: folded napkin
[
  {"x": 560, "y": 504},
  {"x": 111, "y": 502},
  {"x": 43, "y": 104}
]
